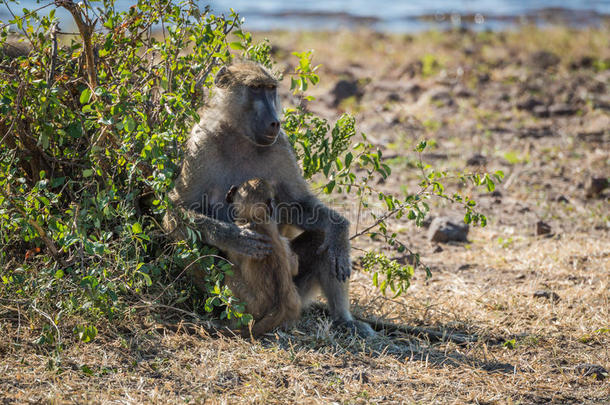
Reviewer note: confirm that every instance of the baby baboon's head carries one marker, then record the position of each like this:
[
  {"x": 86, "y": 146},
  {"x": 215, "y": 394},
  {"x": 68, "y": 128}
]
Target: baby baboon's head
[
  {"x": 247, "y": 92},
  {"x": 252, "y": 201}
]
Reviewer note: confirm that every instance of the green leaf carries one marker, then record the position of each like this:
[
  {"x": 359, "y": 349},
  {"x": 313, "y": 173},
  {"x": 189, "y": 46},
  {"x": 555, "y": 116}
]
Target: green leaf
[
  {"x": 490, "y": 184},
  {"x": 44, "y": 140},
  {"x": 85, "y": 96},
  {"x": 146, "y": 278},
  {"x": 136, "y": 228},
  {"x": 294, "y": 84},
  {"x": 387, "y": 169},
  {"x": 348, "y": 159},
  {"x": 421, "y": 146},
  {"x": 237, "y": 46},
  {"x": 129, "y": 124}
]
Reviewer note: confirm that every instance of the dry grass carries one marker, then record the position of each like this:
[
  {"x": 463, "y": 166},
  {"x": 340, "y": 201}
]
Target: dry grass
[
  {"x": 145, "y": 362},
  {"x": 503, "y": 342}
]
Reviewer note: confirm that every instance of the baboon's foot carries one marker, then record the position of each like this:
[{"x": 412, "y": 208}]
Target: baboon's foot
[{"x": 362, "y": 329}]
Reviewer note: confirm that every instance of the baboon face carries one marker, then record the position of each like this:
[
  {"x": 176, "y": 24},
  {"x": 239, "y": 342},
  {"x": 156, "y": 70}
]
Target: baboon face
[
  {"x": 253, "y": 201},
  {"x": 250, "y": 91}
]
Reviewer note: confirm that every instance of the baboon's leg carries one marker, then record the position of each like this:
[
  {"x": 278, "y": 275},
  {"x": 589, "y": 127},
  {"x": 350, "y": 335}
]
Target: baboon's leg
[
  {"x": 269, "y": 322},
  {"x": 294, "y": 263},
  {"x": 315, "y": 272}
]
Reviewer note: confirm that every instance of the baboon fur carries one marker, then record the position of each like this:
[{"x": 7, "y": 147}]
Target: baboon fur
[{"x": 264, "y": 284}]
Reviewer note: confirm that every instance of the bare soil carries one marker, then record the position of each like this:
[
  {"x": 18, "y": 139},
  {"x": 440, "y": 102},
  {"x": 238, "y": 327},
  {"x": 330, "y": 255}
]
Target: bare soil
[{"x": 508, "y": 317}]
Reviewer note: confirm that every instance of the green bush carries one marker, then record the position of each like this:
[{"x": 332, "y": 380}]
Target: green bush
[{"x": 92, "y": 128}]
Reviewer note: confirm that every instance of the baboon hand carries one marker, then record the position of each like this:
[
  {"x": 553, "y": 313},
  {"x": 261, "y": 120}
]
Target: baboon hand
[
  {"x": 338, "y": 254},
  {"x": 250, "y": 243}
]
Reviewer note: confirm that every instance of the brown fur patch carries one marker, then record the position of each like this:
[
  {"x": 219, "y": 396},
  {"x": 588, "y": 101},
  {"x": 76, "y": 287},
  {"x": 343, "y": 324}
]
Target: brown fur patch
[
  {"x": 266, "y": 284},
  {"x": 245, "y": 74}
]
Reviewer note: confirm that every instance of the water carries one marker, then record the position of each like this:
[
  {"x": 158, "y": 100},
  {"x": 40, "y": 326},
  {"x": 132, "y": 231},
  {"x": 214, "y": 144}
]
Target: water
[
  {"x": 397, "y": 15},
  {"x": 412, "y": 15}
]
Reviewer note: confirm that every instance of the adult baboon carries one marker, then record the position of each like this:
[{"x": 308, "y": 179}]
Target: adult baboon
[
  {"x": 264, "y": 284},
  {"x": 239, "y": 138}
]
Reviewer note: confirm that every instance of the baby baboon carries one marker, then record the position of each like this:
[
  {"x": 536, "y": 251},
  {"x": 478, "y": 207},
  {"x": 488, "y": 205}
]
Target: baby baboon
[
  {"x": 264, "y": 284},
  {"x": 239, "y": 138}
]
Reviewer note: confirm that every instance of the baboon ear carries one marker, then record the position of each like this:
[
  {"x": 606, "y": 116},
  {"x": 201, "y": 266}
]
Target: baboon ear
[
  {"x": 222, "y": 76},
  {"x": 231, "y": 194}
]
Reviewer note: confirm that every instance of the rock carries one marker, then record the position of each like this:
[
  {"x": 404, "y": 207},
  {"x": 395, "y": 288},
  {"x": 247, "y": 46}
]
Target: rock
[
  {"x": 469, "y": 50},
  {"x": 584, "y": 63},
  {"x": 590, "y": 370},
  {"x": 476, "y": 160},
  {"x": 536, "y": 132},
  {"x": 483, "y": 78},
  {"x": 438, "y": 249},
  {"x": 412, "y": 69},
  {"x": 504, "y": 96},
  {"x": 435, "y": 156},
  {"x": 440, "y": 95},
  {"x": 596, "y": 186},
  {"x": 414, "y": 88},
  {"x": 563, "y": 199},
  {"x": 445, "y": 229},
  {"x": 410, "y": 259},
  {"x": 496, "y": 194},
  {"x": 394, "y": 97},
  {"x": 543, "y": 60},
  {"x": 601, "y": 103},
  {"x": 542, "y": 228},
  {"x": 345, "y": 89},
  {"x": 562, "y": 109},
  {"x": 541, "y": 111},
  {"x": 461, "y": 91},
  {"x": 529, "y": 103},
  {"x": 591, "y": 136},
  {"x": 551, "y": 295},
  {"x": 396, "y": 88},
  {"x": 427, "y": 221}
]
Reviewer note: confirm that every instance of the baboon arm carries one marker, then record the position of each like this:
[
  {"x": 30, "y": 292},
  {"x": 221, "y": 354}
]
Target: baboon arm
[
  {"x": 225, "y": 236},
  {"x": 310, "y": 214}
]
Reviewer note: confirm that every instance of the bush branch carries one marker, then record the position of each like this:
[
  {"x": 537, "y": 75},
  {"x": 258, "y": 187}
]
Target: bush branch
[{"x": 85, "y": 27}]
